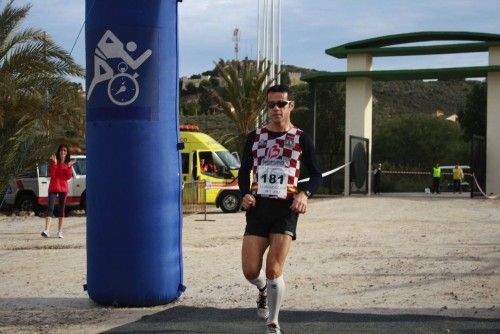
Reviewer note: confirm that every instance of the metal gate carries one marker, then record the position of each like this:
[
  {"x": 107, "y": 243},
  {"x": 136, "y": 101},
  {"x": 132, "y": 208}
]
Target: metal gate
[
  {"x": 358, "y": 169},
  {"x": 478, "y": 165}
]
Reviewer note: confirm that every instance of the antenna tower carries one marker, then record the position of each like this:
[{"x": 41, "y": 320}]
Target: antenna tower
[{"x": 236, "y": 40}]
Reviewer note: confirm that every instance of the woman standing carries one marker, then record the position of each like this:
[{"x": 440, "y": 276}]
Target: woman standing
[{"x": 60, "y": 172}]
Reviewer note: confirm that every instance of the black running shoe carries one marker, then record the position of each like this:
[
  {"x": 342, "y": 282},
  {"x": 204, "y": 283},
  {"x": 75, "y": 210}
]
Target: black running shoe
[
  {"x": 262, "y": 309},
  {"x": 273, "y": 329}
]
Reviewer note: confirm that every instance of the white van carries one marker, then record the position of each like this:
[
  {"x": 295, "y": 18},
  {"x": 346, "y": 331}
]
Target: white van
[
  {"x": 448, "y": 170},
  {"x": 30, "y": 192}
]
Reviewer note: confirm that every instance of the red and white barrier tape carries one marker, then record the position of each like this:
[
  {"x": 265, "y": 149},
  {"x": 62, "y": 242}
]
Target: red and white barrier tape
[
  {"x": 327, "y": 173},
  {"x": 481, "y": 190},
  {"x": 403, "y": 172},
  {"x": 416, "y": 173}
]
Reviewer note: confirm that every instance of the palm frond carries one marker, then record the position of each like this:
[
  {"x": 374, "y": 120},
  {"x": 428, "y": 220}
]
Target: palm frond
[
  {"x": 243, "y": 93},
  {"x": 39, "y": 106},
  {"x": 11, "y": 18}
]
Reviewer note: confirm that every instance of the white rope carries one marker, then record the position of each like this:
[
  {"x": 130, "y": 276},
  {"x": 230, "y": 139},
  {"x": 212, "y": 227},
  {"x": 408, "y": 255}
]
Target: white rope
[
  {"x": 481, "y": 190},
  {"x": 327, "y": 173}
]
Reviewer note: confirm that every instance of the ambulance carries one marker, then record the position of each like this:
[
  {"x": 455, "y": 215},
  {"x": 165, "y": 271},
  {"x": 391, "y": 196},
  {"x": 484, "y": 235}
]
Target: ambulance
[{"x": 204, "y": 159}]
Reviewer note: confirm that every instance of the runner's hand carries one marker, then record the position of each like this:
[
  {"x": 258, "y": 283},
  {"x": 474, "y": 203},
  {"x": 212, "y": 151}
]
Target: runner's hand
[
  {"x": 72, "y": 162},
  {"x": 248, "y": 201},
  {"x": 299, "y": 204},
  {"x": 53, "y": 158}
]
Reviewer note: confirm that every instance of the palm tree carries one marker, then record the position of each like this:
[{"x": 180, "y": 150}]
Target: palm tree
[
  {"x": 38, "y": 103},
  {"x": 242, "y": 95}
]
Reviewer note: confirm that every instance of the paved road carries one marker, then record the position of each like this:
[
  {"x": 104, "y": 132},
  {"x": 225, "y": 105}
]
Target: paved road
[{"x": 184, "y": 319}]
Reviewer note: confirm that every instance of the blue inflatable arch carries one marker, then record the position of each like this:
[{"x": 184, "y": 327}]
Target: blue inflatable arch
[{"x": 134, "y": 253}]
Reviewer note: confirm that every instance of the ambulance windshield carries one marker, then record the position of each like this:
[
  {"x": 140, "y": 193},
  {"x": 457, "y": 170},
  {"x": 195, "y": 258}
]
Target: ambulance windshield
[{"x": 228, "y": 159}]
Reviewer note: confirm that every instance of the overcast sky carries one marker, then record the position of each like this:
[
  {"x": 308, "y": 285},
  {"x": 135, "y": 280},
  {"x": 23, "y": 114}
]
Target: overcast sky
[{"x": 309, "y": 27}]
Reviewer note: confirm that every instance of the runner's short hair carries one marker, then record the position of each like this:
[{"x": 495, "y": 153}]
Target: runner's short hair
[{"x": 280, "y": 89}]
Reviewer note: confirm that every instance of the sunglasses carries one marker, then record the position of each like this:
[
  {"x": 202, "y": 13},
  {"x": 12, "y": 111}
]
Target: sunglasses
[{"x": 280, "y": 104}]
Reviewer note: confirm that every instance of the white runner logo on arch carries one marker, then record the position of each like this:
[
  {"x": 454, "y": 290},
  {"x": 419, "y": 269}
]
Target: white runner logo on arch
[{"x": 123, "y": 88}]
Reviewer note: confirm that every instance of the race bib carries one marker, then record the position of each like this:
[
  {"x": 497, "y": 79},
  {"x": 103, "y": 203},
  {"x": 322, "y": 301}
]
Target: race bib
[{"x": 272, "y": 181}]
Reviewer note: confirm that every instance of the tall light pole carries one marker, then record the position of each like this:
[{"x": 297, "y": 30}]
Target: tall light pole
[
  {"x": 261, "y": 18},
  {"x": 269, "y": 42},
  {"x": 269, "y": 36},
  {"x": 279, "y": 42}
]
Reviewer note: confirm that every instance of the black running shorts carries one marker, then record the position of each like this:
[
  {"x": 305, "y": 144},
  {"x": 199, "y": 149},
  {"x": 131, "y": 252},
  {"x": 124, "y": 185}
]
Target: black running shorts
[{"x": 271, "y": 215}]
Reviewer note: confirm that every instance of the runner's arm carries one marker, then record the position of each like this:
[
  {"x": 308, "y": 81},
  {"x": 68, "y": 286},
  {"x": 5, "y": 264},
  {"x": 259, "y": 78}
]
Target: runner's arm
[
  {"x": 311, "y": 161},
  {"x": 246, "y": 166}
]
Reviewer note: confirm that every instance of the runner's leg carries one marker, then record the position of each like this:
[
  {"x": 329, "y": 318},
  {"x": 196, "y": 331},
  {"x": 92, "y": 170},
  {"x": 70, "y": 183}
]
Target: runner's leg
[
  {"x": 279, "y": 245},
  {"x": 253, "y": 250}
]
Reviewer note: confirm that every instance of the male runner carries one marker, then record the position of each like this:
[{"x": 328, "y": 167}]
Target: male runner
[{"x": 274, "y": 154}]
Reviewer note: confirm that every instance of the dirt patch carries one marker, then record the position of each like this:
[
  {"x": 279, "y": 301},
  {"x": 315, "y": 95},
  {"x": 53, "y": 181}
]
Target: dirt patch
[{"x": 380, "y": 255}]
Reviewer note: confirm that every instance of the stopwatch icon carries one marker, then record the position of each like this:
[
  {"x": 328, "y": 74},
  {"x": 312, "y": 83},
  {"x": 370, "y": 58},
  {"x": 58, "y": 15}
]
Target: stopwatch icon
[{"x": 123, "y": 88}]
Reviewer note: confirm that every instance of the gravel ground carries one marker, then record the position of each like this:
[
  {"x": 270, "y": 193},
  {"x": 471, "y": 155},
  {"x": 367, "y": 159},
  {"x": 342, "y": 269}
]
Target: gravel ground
[{"x": 382, "y": 255}]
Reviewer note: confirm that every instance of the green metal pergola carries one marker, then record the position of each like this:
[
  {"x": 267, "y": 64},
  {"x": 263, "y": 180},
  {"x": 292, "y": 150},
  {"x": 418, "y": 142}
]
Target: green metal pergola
[
  {"x": 394, "y": 45},
  {"x": 380, "y": 47}
]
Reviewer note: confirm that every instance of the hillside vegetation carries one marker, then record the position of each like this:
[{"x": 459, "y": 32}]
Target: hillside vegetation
[
  {"x": 403, "y": 97},
  {"x": 410, "y": 130},
  {"x": 390, "y": 99}
]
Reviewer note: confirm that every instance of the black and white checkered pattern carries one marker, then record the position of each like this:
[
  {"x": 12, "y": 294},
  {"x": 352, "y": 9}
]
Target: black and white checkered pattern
[{"x": 285, "y": 148}]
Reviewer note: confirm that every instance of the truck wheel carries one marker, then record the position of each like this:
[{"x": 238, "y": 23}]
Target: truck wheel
[
  {"x": 230, "y": 201},
  {"x": 83, "y": 201},
  {"x": 27, "y": 202}
]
